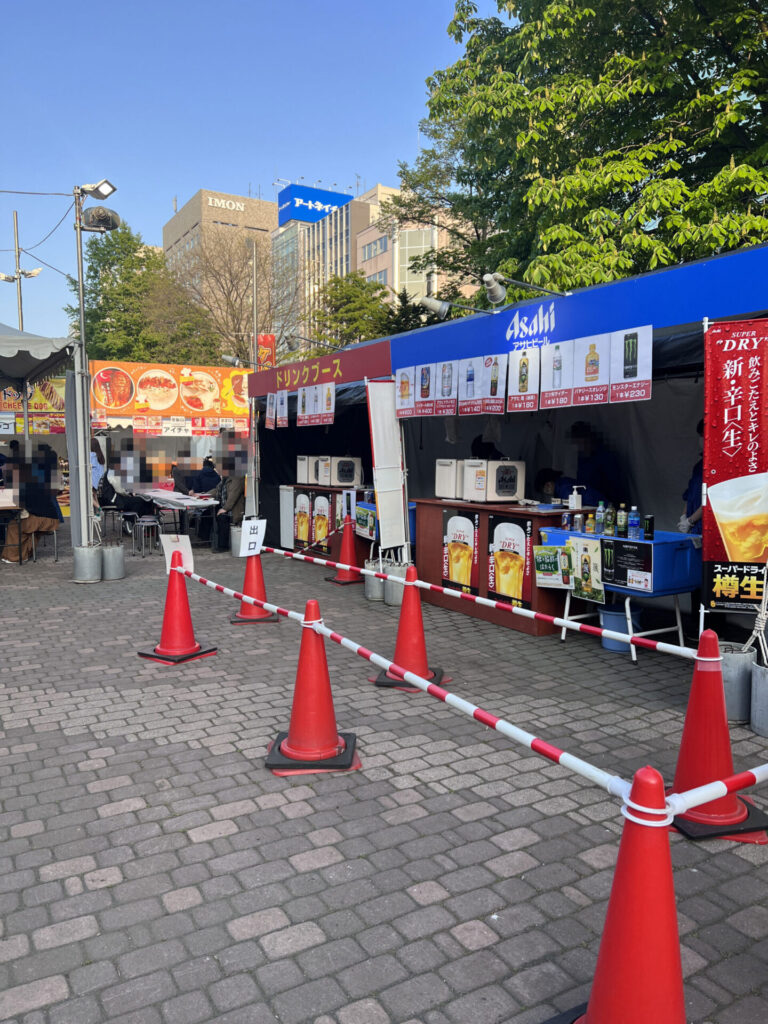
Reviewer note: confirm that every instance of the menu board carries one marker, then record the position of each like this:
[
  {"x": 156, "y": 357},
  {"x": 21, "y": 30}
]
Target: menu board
[
  {"x": 523, "y": 380},
  {"x": 592, "y": 370},
  {"x": 627, "y": 563},
  {"x": 474, "y": 386},
  {"x": 316, "y": 405},
  {"x": 510, "y": 560},
  {"x": 461, "y": 569},
  {"x": 557, "y": 375},
  {"x": 126, "y": 390},
  {"x": 631, "y": 364},
  {"x": 587, "y": 569}
]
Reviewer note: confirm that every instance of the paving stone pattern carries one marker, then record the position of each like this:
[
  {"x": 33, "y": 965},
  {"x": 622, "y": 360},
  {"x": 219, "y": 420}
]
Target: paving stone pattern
[{"x": 152, "y": 871}]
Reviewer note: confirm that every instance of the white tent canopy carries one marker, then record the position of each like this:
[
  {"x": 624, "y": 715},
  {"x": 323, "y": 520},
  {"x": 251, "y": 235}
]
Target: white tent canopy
[{"x": 28, "y": 357}]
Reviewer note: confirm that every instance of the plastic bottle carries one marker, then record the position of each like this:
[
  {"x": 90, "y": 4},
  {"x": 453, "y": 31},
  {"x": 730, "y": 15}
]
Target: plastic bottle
[
  {"x": 633, "y": 524},
  {"x": 600, "y": 517},
  {"x": 621, "y": 521},
  {"x": 495, "y": 377},
  {"x": 557, "y": 369},
  {"x": 447, "y": 380},
  {"x": 609, "y": 522},
  {"x": 470, "y": 381},
  {"x": 589, "y": 526},
  {"x": 592, "y": 364},
  {"x": 523, "y": 374}
]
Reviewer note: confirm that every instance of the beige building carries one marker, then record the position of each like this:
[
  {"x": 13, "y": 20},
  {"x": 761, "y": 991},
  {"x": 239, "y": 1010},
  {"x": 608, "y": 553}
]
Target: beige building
[{"x": 206, "y": 211}]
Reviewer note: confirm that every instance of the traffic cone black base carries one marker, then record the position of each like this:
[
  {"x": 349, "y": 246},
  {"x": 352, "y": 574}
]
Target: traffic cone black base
[
  {"x": 343, "y": 583},
  {"x": 346, "y": 761},
  {"x": 238, "y": 619},
  {"x": 751, "y": 830},
  {"x": 384, "y": 679},
  {"x": 177, "y": 659},
  {"x": 569, "y": 1017}
]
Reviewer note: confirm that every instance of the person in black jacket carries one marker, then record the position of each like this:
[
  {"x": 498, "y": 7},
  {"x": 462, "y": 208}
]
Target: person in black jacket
[
  {"x": 205, "y": 480},
  {"x": 39, "y": 513}
]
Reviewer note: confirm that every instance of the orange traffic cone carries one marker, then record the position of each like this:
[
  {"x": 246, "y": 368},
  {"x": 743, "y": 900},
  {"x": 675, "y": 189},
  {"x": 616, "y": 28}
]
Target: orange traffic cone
[
  {"x": 345, "y": 576},
  {"x": 177, "y": 639},
  {"x": 253, "y": 586},
  {"x": 312, "y": 743},
  {"x": 705, "y": 756},
  {"x": 639, "y": 974},
  {"x": 411, "y": 647}
]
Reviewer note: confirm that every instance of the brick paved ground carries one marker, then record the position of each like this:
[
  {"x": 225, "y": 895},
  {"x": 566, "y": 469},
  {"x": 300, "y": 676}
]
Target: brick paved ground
[{"x": 153, "y": 872}]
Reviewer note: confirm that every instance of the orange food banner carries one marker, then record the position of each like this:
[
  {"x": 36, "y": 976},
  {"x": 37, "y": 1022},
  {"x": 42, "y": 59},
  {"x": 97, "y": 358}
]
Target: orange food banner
[{"x": 135, "y": 390}]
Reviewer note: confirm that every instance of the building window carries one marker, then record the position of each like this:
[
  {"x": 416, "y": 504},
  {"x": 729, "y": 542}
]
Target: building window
[
  {"x": 381, "y": 277},
  {"x": 375, "y": 248}
]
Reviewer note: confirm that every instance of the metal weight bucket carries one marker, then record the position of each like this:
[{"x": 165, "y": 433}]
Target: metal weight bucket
[
  {"x": 393, "y": 592},
  {"x": 737, "y": 682},
  {"x": 758, "y": 714},
  {"x": 113, "y": 561},
  {"x": 87, "y": 564},
  {"x": 373, "y": 588}
]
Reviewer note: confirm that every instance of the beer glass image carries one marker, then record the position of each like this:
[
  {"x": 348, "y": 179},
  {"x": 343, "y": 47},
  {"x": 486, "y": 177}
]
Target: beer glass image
[
  {"x": 460, "y": 542},
  {"x": 740, "y": 508},
  {"x": 508, "y": 550},
  {"x": 321, "y": 520},
  {"x": 302, "y": 518}
]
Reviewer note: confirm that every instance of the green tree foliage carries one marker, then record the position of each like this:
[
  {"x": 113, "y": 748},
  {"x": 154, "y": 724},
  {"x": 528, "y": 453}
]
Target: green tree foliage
[
  {"x": 350, "y": 309},
  {"x": 599, "y": 140},
  {"x": 134, "y": 310}
]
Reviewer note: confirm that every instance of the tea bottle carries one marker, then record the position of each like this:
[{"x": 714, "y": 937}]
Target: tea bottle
[
  {"x": 621, "y": 521},
  {"x": 523, "y": 373}
]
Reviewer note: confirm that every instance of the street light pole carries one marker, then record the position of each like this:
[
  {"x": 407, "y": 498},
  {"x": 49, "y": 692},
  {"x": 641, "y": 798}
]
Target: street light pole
[
  {"x": 18, "y": 268},
  {"x": 254, "y": 468},
  {"x": 85, "y": 511}
]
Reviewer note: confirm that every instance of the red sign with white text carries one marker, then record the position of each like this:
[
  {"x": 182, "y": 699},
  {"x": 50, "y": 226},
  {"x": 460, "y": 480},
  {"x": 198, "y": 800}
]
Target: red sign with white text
[
  {"x": 346, "y": 367},
  {"x": 735, "y": 515}
]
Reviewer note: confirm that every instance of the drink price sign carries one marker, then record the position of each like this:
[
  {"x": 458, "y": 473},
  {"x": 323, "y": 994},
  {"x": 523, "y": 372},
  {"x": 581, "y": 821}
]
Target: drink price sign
[
  {"x": 631, "y": 364},
  {"x": 592, "y": 370},
  {"x": 523, "y": 380},
  {"x": 557, "y": 375}
]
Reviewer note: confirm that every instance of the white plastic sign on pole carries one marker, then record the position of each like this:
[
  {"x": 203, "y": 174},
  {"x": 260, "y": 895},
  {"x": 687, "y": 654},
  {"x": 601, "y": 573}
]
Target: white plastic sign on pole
[
  {"x": 252, "y": 536},
  {"x": 177, "y": 542}
]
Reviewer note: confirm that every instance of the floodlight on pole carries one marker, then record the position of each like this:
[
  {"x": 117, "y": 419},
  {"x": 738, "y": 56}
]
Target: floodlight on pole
[
  {"x": 441, "y": 307},
  {"x": 101, "y": 190},
  {"x": 497, "y": 293}
]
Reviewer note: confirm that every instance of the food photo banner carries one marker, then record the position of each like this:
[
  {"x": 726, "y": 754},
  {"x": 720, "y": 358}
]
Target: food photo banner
[
  {"x": 45, "y": 406},
  {"x": 164, "y": 400},
  {"x": 735, "y": 471}
]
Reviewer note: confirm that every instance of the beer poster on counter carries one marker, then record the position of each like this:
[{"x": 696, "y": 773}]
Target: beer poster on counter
[
  {"x": 553, "y": 567},
  {"x": 322, "y": 523},
  {"x": 301, "y": 520},
  {"x": 631, "y": 364},
  {"x": 461, "y": 568},
  {"x": 735, "y": 471},
  {"x": 510, "y": 560},
  {"x": 523, "y": 380},
  {"x": 271, "y": 414},
  {"x": 557, "y": 375},
  {"x": 405, "y": 392},
  {"x": 282, "y": 408},
  {"x": 445, "y": 399},
  {"x": 424, "y": 399},
  {"x": 587, "y": 569},
  {"x": 627, "y": 564},
  {"x": 592, "y": 370}
]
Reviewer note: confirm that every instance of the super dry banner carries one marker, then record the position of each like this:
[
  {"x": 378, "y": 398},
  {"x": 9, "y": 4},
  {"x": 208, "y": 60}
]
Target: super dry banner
[{"x": 735, "y": 513}]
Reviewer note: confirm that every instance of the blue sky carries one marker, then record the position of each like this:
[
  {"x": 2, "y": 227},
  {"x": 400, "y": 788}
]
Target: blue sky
[{"x": 166, "y": 97}]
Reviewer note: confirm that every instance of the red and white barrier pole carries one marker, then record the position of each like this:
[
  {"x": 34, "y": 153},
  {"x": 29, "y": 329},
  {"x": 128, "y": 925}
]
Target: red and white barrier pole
[
  {"x": 679, "y": 803},
  {"x": 577, "y": 627}
]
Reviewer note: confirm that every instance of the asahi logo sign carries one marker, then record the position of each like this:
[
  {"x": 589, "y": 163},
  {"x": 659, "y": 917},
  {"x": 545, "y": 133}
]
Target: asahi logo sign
[
  {"x": 226, "y": 204},
  {"x": 532, "y": 329}
]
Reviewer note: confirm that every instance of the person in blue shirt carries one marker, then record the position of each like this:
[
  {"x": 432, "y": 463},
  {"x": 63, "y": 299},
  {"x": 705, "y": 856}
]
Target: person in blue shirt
[{"x": 690, "y": 520}]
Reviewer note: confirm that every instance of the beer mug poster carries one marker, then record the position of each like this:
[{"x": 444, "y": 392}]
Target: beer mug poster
[
  {"x": 252, "y": 536},
  {"x": 405, "y": 400},
  {"x": 523, "y": 380},
  {"x": 587, "y": 569},
  {"x": 424, "y": 399},
  {"x": 320, "y": 521},
  {"x": 553, "y": 567},
  {"x": 301, "y": 521},
  {"x": 735, "y": 512},
  {"x": 509, "y": 561},
  {"x": 460, "y": 555},
  {"x": 557, "y": 375},
  {"x": 592, "y": 370},
  {"x": 631, "y": 364}
]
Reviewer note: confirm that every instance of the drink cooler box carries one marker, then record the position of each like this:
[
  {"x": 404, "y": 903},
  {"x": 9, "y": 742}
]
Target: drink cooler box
[
  {"x": 676, "y": 561},
  {"x": 362, "y": 530}
]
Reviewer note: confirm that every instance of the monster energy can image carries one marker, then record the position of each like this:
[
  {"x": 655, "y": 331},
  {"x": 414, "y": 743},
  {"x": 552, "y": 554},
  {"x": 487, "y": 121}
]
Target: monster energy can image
[
  {"x": 608, "y": 566},
  {"x": 630, "y": 354}
]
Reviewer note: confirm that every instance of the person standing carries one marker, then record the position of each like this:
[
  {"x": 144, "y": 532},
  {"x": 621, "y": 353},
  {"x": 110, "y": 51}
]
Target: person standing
[{"x": 690, "y": 520}]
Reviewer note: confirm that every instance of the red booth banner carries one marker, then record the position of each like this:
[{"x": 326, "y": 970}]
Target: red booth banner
[
  {"x": 735, "y": 513},
  {"x": 347, "y": 367}
]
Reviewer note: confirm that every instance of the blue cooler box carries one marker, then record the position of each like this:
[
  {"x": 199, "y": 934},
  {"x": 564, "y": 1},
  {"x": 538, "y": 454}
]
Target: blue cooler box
[
  {"x": 676, "y": 561},
  {"x": 367, "y": 522}
]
